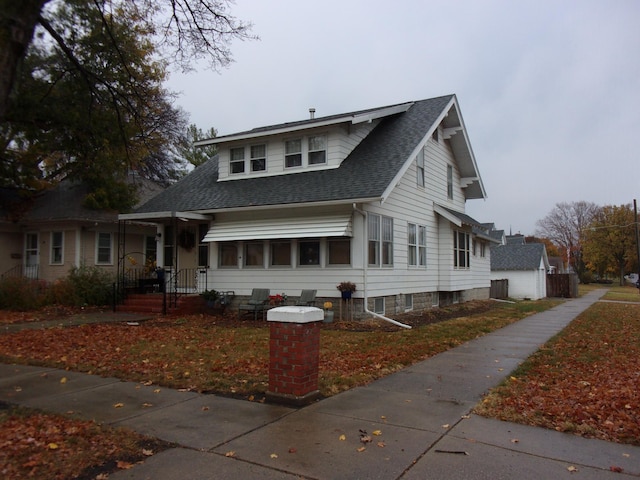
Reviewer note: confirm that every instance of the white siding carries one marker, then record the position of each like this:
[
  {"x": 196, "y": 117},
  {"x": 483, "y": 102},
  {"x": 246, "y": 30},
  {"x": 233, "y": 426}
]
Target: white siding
[{"x": 341, "y": 140}]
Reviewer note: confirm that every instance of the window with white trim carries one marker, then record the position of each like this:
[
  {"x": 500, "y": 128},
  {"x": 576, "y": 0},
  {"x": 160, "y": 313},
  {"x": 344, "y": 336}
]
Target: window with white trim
[
  {"x": 408, "y": 301},
  {"x": 228, "y": 254},
  {"x": 417, "y": 245},
  {"x": 309, "y": 252},
  {"x": 339, "y": 251},
  {"x": 258, "y": 158},
  {"x": 57, "y": 248},
  {"x": 236, "y": 160},
  {"x": 104, "y": 248},
  {"x": 254, "y": 254},
  {"x": 317, "y": 150},
  {"x": 378, "y": 305},
  {"x": 293, "y": 153},
  {"x": 280, "y": 253},
  {"x": 380, "y": 238},
  {"x": 461, "y": 250},
  {"x": 420, "y": 168},
  {"x": 449, "y": 182}
]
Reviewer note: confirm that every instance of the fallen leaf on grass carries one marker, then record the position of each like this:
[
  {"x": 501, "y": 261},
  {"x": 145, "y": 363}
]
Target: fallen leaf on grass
[
  {"x": 146, "y": 452},
  {"x": 293, "y": 450},
  {"x": 377, "y": 433},
  {"x": 274, "y": 455},
  {"x": 122, "y": 465},
  {"x": 118, "y": 405},
  {"x": 230, "y": 453},
  {"x": 342, "y": 438},
  {"x": 572, "y": 469},
  {"x": 381, "y": 444},
  {"x": 63, "y": 380},
  {"x": 616, "y": 469},
  {"x": 361, "y": 449},
  {"x": 147, "y": 405},
  {"x": 53, "y": 446}
]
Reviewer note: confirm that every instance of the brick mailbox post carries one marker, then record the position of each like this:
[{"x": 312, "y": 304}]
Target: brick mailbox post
[{"x": 294, "y": 354}]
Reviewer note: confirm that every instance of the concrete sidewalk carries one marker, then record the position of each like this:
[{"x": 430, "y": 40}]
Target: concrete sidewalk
[{"x": 422, "y": 415}]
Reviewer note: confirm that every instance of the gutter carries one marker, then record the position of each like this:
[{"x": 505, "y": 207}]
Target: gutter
[{"x": 365, "y": 269}]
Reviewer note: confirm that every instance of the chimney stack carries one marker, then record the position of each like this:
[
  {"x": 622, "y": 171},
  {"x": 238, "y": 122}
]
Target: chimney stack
[{"x": 312, "y": 113}]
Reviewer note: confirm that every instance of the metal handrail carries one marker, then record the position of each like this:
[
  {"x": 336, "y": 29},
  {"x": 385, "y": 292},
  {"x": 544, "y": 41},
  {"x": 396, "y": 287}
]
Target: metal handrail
[{"x": 29, "y": 271}]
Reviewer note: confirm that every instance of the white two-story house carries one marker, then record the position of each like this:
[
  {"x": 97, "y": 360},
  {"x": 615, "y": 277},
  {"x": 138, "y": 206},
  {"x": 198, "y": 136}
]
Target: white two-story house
[{"x": 376, "y": 197}]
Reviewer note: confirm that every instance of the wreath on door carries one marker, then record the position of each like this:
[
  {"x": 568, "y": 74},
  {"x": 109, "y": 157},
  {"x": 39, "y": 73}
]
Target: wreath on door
[{"x": 187, "y": 239}]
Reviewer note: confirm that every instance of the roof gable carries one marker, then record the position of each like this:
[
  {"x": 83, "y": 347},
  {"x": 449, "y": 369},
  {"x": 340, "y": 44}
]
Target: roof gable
[
  {"x": 369, "y": 172},
  {"x": 518, "y": 256}
]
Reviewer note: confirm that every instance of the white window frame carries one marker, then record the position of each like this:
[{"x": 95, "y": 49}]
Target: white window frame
[
  {"x": 256, "y": 159},
  {"x": 450, "y": 182},
  {"x": 380, "y": 240},
  {"x": 416, "y": 245},
  {"x": 461, "y": 250},
  {"x": 31, "y": 252},
  {"x": 236, "y": 161},
  {"x": 56, "y": 248},
  {"x": 379, "y": 305},
  {"x": 408, "y": 301},
  {"x": 99, "y": 247},
  {"x": 314, "y": 150},
  {"x": 295, "y": 156}
]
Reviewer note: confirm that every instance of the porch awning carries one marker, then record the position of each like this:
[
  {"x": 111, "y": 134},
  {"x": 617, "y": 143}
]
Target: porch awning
[{"x": 331, "y": 226}]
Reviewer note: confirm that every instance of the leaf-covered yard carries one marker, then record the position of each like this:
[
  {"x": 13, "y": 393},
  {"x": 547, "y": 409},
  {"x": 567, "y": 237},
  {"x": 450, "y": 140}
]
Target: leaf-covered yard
[
  {"x": 226, "y": 356},
  {"x": 586, "y": 380}
]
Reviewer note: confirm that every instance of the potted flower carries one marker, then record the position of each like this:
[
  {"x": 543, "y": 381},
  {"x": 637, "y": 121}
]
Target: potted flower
[
  {"x": 347, "y": 288},
  {"x": 277, "y": 299},
  {"x": 328, "y": 313},
  {"x": 211, "y": 297}
]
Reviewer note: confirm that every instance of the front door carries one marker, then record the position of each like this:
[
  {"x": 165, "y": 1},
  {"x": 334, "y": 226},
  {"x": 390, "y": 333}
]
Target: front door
[{"x": 31, "y": 255}]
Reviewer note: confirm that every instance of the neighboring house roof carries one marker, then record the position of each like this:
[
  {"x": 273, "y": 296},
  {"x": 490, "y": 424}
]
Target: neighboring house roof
[
  {"x": 64, "y": 202},
  {"x": 367, "y": 173},
  {"x": 518, "y": 256},
  {"x": 515, "y": 239}
]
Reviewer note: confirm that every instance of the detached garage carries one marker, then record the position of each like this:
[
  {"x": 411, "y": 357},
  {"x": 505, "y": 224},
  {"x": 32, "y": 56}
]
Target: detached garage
[{"x": 524, "y": 266}]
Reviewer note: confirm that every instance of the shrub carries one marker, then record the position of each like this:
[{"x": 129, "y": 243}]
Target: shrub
[
  {"x": 91, "y": 285},
  {"x": 21, "y": 293}
]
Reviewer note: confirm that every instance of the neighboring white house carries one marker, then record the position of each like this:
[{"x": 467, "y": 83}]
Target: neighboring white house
[
  {"x": 524, "y": 265},
  {"x": 375, "y": 197}
]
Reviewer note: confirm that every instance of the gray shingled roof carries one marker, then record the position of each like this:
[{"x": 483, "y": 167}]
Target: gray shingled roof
[
  {"x": 365, "y": 173},
  {"x": 517, "y": 256}
]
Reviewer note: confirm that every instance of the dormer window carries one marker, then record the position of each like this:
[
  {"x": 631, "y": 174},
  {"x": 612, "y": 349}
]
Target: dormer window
[
  {"x": 317, "y": 150},
  {"x": 236, "y": 163},
  {"x": 258, "y": 158},
  {"x": 293, "y": 153}
]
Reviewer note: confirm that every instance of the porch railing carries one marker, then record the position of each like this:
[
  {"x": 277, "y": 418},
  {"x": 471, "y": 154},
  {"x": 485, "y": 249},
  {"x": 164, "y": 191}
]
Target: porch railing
[
  {"x": 28, "y": 271},
  {"x": 172, "y": 284}
]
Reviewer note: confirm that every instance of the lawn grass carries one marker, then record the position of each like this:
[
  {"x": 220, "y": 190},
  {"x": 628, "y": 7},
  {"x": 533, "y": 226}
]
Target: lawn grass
[
  {"x": 195, "y": 353},
  {"x": 585, "y": 380}
]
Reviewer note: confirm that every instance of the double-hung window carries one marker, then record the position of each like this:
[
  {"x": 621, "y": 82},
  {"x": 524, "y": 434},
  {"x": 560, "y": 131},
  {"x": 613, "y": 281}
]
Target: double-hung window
[
  {"x": 104, "y": 248},
  {"x": 258, "y": 158},
  {"x": 280, "y": 253},
  {"x": 293, "y": 153},
  {"x": 461, "y": 250},
  {"x": 57, "y": 244},
  {"x": 417, "y": 245},
  {"x": 380, "y": 237},
  {"x": 236, "y": 160},
  {"x": 317, "y": 149}
]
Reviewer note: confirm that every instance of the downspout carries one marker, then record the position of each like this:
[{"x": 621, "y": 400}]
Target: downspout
[{"x": 365, "y": 267}]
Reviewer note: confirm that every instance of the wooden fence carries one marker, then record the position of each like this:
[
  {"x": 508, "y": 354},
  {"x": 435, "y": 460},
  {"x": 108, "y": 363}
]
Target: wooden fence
[
  {"x": 563, "y": 285},
  {"x": 499, "y": 289}
]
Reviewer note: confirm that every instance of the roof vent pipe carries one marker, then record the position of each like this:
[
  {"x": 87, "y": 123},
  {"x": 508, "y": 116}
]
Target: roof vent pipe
[{"x": 312, "y": 113}]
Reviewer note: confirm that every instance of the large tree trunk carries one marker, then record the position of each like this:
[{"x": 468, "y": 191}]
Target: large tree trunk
[{"x": 18, "y": 19}]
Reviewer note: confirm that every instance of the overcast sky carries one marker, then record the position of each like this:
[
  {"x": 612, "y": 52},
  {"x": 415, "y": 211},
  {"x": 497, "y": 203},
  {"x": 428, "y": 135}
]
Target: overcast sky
[{"x": 549, "y": 90}]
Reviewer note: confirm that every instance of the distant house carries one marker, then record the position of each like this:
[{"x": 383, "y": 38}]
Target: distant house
[
  {"x": 376, "y": 197},
  {"x": 524, "y": 265},
  {"x": 47, "y": 235}
]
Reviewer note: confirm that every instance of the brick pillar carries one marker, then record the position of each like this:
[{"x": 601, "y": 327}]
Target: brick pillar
[{"x": 294, "y": 354}]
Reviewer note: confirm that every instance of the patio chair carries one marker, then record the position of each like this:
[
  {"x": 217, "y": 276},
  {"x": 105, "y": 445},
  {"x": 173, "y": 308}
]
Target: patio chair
[
  {"x": 257, "y": 302},
  {"x": 307, "y": 298}
]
